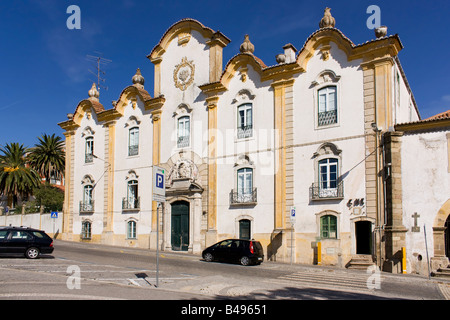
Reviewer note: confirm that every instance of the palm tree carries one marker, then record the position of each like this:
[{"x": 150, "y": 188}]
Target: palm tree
[
  {"x": 48, "y": 157},
  {"x": 16, "y": 178}
]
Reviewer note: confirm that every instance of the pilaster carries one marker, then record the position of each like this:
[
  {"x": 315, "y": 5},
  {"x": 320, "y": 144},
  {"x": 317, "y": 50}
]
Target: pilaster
[{"x": 211, "y": 235}]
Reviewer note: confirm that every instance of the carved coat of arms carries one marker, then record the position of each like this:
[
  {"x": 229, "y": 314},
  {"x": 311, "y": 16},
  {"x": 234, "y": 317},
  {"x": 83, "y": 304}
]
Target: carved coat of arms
[{"x": 183, "y": 74}]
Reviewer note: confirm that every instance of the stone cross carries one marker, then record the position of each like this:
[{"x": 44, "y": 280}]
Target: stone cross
[{"x": 416, "y": 228}]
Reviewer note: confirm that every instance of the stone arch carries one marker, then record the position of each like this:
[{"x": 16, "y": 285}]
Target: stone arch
[{"x": 439, "y": 229}]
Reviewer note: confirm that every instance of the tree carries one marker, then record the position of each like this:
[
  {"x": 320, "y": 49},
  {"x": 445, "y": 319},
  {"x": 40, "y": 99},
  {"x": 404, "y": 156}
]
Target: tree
[
  {"x": 16, "y": 178},
  {"x": 50, "y": 197},
  {"x": 48, "y": 157}
]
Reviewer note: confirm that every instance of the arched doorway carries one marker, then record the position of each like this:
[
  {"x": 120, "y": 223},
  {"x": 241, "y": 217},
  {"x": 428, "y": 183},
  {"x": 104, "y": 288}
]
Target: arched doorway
[
  {"x": 180, "y": 226},
  {"x": 363, "y": 231}
]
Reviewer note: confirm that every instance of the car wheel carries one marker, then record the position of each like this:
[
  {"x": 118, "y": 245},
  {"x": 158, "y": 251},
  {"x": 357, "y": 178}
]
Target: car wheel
[
  {"x": 245, "y": 261},
  {"x": 32, "y": 253},
  {"x": 208, "y": 257}
]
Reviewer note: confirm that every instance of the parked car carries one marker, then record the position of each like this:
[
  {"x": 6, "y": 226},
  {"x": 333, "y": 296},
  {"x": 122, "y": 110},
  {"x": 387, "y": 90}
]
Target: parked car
[
  {"x": 235, "y": 250},
  {"x": 24, "y": 241}
]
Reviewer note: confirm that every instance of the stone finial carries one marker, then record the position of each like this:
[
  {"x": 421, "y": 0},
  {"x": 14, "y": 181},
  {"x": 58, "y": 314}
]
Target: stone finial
[
  {"x": 327, "y": 20},
  {"x": 138, "y": 79},
  {"x": 247, "y": 46},
  {"x": 93, "y": 93},
  {"x": 381, "y": 32}
]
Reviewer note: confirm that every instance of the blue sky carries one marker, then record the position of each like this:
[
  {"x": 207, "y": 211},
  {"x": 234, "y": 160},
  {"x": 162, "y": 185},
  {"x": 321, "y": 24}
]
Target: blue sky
[{"x": 44, "y": 70}]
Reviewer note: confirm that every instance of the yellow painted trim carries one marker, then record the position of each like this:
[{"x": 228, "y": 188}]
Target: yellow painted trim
[
  {"x": 280, "y": 155},
  {"x": 110, "y": 195},
  {"x": 212, "y": 165},
  {"x": 156, "y": 155}
]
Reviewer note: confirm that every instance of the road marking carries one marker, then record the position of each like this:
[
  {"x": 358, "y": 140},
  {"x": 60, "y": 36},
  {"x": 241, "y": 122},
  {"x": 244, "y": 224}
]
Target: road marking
[
  {"x": 326, "y": 279},
  {"x": 56, "y": 295}
]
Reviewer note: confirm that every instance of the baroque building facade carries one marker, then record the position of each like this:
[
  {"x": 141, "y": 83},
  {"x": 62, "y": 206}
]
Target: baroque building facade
[{"x": 244, "y": 147}]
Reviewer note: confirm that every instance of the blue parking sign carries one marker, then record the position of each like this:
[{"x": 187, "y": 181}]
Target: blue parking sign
[{"x": 159, "y": 181}]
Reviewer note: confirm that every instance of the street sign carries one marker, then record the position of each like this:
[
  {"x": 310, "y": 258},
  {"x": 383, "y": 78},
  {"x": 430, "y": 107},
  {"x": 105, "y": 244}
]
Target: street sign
[
  {"x": 54, "y": 215},
  {"x": 159, "y": 189},
  {"x": 292, "y": 214}
]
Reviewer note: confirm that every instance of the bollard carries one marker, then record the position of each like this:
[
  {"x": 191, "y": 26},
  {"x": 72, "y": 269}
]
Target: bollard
[
  {"x": 403, "y": 260},
  {"x": 319, "y": 253}
]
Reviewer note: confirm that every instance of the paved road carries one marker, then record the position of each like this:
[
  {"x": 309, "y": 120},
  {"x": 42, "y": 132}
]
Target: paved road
[{"x": 107, "y": 272}]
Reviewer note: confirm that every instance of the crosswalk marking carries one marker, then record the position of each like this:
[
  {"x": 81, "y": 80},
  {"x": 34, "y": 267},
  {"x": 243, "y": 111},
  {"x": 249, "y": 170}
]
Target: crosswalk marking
[{"x": 327, "y": 279}]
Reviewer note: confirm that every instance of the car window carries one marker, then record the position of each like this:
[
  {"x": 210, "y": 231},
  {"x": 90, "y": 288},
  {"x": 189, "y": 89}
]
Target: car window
[
  {"x": 226, "y": 243},
  {"x": 38, "y": 234},
  {"x": 3, "y": 234},
  {"x": 20, "y": 235}
]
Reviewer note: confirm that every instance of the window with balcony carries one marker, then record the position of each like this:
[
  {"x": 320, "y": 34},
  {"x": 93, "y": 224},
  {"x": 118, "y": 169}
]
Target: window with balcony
[
  {"x": 245, "y": 192},
  {"x": 131, "y": 202},
  {"x": 245, "y": 121},
  {"x": 87, "y": 204},
  {"x": 327, "y": 184},
  {"x": 183, "y": 132},
  {"x": 89, "y": 150},
  {"x": 327, "y": 111},
  {"x": 133, "y": 141}
]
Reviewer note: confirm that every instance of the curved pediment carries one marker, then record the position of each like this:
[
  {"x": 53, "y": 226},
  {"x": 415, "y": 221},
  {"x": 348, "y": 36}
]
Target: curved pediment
[
  {"x": 370, "y": 50},
  {"x": 181, "y": 30}
]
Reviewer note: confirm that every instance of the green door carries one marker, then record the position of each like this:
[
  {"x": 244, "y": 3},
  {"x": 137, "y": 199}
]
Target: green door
[
  {"x": 180, "y": 226},
  {"x": 244, "y": 229}
]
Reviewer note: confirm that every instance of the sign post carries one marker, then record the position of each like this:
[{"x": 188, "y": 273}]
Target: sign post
[
  {"x": 159, "y": 195},
  {"x": 54, "y": 216},
  {"x": 292, "y": 218}
]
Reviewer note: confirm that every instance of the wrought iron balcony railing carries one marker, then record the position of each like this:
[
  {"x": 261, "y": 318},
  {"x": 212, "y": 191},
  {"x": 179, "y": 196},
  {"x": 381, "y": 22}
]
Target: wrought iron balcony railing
[
  {"x": 245, "y": 132},
  {"x": 87, "y": 206},
  {"x": 318, "y": 192},
  {"x": 327, "y": 117},
  {"x": 89, "y": 157},
  {"x": 183, "y": 142},
  {"x": 243, "y": 196},
  {"x": 133, "y": 150},
  {"x": 131, "y": 203}
]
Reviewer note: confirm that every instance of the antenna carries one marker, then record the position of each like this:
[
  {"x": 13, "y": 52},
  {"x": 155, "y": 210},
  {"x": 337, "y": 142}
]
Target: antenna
[{"x": 99, "y": 74}]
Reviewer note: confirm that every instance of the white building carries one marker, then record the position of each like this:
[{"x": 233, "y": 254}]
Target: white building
[{"x": 243, "y": 145}]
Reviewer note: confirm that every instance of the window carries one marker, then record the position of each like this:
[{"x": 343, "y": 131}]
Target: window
[
  {"x": 245, "y": 181},
  {"x": 89, "y": 150},
  {"x": 86, "y": 230},
  {"x": 328, "y": 227},
  {"x": 131, "y": 229},
  {"x": 245, "y": 121},
  {"x": 327, "y": 106},
  {"x": 132, "y": 199},
  {"x": 328, "y": 173},
  {"x": 183, "y": 132},
  {"x": 133, "y": 141},
  {"x": 87, "y": 204}
]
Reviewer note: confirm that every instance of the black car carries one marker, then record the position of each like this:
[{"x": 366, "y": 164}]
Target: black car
[
  {"x": 24, "y": 241},
  {"x": 235, "y": 250}
]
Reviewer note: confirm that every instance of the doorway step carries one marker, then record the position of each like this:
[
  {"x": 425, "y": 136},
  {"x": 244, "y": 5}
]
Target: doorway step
[
  {"x": 442, "y": 272},
  {"x": 360, "y": 261}
]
